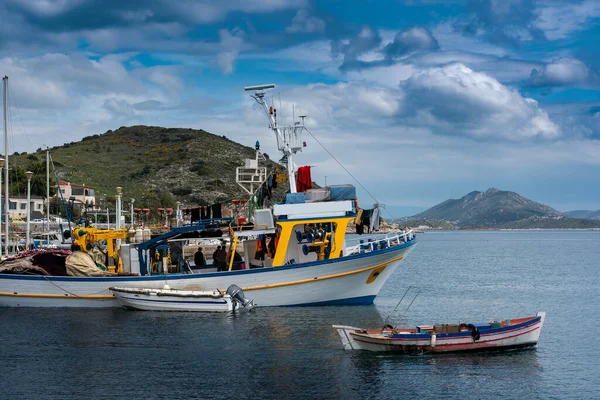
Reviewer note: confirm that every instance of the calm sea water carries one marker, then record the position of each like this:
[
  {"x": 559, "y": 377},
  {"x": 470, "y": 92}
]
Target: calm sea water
[{"x": 289, "y": 353}]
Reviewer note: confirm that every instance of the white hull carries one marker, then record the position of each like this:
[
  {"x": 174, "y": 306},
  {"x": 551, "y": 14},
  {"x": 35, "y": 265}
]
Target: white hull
[
  {"x": 339, "y": 281},
  {"x": 510, "y": 337},
  {"x": 173, "y": 300}
]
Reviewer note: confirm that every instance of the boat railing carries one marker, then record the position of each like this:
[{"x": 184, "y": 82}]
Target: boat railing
[
  {"x": 374, "y": 243},
  {"x": 248, "y": 227}
]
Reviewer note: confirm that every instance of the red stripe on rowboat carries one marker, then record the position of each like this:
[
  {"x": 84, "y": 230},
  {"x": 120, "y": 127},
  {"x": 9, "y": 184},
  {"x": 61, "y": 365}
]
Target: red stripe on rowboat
[{"x": 447, "y": 345}]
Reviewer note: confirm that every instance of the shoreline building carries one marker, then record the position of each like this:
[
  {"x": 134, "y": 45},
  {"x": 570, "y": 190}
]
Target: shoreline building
[
  {"x": 17, "y": 207},
  {"x": 77, "y": 192}
]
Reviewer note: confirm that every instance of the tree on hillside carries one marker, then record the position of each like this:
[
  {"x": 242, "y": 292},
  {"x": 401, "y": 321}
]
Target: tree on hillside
[{"x": 18, "y": 180}]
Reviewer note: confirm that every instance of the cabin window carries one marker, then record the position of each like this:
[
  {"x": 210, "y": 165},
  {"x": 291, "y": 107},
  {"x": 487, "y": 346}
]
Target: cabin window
[
  {"x": 12, "y": 205},
  {"x": 23, "y": 206}
]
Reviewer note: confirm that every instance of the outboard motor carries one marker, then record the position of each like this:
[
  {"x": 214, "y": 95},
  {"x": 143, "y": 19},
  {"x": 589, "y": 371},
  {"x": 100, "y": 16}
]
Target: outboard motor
[{"x": 237, "y": 294}]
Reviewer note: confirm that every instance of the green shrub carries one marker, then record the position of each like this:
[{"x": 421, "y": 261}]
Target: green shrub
[
  {"x": 199, "y": 167},
  {"x": 182, "y": 191}
]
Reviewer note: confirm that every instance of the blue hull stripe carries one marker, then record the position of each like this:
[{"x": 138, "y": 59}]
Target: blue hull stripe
[
  {"x": 210, "y": 274},
  {"x": 484, "y": 329},
  {"x": 174, "y": 301},
  {"x": 363, "y": 300}
]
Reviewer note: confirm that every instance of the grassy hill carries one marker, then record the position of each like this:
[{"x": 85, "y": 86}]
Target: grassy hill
[{"x": 154, "y": 165}]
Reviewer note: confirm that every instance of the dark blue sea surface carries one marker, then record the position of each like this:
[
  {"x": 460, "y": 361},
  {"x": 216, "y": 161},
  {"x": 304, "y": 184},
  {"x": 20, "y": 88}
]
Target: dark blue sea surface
[{"x": 293, "y": 353}]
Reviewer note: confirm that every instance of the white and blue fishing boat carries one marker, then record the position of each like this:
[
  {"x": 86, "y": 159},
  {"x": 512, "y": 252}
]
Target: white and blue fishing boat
[{"x": 295, "y": 253}]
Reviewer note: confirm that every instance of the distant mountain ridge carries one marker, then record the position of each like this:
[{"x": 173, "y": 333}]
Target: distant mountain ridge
[
  {"x": 496, "y": 208},
  {"x": 586, "y": 214}
]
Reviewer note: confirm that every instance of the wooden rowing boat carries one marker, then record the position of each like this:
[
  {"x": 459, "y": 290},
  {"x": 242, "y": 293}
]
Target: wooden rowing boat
[{"x": 505, "y": 334}]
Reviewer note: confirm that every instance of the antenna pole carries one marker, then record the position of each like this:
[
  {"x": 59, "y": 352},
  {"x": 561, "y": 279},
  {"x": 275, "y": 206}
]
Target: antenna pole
[
  {"x": 48, "y": 193},
  {"x": 6, "y": 202}
]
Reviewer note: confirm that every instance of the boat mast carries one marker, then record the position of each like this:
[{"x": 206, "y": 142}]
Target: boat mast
[
  {"x": 6, "y": 202},
  {"x": 48, "y": 194},
  {"x": 289, "y": 138}
]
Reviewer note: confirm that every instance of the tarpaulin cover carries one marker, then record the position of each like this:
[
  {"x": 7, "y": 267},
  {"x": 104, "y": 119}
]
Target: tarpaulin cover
[
  {"x": 294, "y": 198},
  {"x": 342, "y": 192},
  {"x": 22, "y": 266},
  {"x": 82, "y": 264}
]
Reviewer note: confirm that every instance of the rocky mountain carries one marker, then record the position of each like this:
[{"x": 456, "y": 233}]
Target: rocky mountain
[
  {"x": 154, "y": 165},
  {"x": 498, "y": 209},
  {"x": 585, "y": 214}
]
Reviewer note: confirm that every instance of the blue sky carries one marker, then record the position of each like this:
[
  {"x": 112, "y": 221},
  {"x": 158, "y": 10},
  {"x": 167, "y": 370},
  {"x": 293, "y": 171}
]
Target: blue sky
[{"x": 422, "y": 100}]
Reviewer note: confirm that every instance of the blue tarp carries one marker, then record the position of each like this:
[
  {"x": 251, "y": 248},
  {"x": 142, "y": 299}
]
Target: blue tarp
[
  {"x": 294, "y": 198},
  {"x": 342, "y": 192}
]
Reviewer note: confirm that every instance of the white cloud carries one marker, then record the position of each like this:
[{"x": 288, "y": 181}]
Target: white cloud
[
  {"x": 149, "y": 36},
  {"x": 563, "y": 72},
  {"x": 388, "y": 75},
  {"x": 368, "y": 39},
  {"x": 304, "y": 23},
  {"x": 502, "y": 68},
  {"x": 455, "y": 100},
  {"x": 343, "y": 104},
  {"x": 209, "y": 11},
  {"x": 136, "y": 16},
  {"x": 230, "y": 47},
  {"x": 48, "y": 8},
  {"x": 452, "y": 101},
  {"x": 118, "y": 107},
  {"x": 410, "y": 40},
  {"x": 62, "y": 97},
  {"x": 449, "y": 39},
  {"x": 559, "y": 19}
]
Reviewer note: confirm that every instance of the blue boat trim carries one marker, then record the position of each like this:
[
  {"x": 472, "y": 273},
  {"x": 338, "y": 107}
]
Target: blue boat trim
[
  {"x": 484, "y": 329},
  {"x": 362, "y": 300},
  {"x": 175, "y": 301},
  {"x": 210, "y": 274}
]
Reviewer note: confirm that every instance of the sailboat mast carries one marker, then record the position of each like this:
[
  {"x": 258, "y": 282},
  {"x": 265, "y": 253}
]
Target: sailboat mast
[
  {"x": 6, "y": 202},
  {"x": 48, "y": 194}
]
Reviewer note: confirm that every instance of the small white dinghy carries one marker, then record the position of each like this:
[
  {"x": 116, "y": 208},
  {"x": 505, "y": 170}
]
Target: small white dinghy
[{"x": 167, "y": 299}]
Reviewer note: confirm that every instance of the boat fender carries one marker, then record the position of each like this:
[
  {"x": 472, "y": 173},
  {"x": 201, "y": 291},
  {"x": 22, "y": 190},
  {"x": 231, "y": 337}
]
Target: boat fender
[{"x": 433, "y": 339}]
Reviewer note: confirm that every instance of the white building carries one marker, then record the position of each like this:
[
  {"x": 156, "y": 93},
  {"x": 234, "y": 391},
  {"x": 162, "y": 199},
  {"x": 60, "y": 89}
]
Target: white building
[
  {"x": 17, "y": 206},
  {"x": 81, "y": 193}
]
